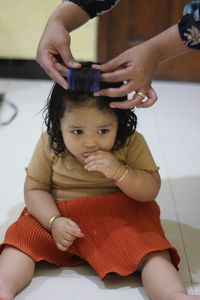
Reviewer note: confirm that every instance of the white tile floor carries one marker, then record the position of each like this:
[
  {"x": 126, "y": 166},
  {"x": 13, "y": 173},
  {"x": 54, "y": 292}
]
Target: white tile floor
[{"x": 171, "y": 128}]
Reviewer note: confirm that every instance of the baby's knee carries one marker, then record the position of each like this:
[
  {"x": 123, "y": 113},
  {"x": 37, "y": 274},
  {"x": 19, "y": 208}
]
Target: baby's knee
[
  {"x": 5, "y": 289},
  {"x": 154, "y": 255}
]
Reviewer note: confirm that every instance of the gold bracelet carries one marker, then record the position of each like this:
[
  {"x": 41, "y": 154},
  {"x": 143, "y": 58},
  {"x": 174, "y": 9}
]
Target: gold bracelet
[
  {"x": 113, "y": 178},
  {"x": 123, "y": 176},
  {"x": 50, "y": 222}
]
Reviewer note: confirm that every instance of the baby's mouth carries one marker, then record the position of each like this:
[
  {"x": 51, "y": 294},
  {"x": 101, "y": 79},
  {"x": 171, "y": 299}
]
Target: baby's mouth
[{"x": 88, "y": 153}]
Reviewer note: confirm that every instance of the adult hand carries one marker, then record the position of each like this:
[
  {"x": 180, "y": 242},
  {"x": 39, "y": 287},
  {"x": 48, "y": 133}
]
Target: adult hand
[
  {"x": 136, "y": 67},
  {"x": 139, "y": 99},
  {"x": 64, "y": 232},
  {"x": 54, "y": 54}
]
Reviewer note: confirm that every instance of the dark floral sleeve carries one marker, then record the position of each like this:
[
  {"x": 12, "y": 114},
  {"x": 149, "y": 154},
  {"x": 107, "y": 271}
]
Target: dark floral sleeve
[
  {"x": 95, "y": 7},
  {"x": 189, "y": 25}
]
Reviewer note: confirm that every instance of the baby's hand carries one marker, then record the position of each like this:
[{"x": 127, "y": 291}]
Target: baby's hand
[
  {"x": 104, "y": 162},
  {"x": 64, "y": 232}
]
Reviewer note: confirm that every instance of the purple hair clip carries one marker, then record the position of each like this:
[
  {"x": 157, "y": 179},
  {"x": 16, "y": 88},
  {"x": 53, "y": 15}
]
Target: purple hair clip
[{"x": 84, "y": 80}]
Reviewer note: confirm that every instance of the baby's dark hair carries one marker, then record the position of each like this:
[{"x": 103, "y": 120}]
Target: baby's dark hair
[{"x": 61, "y": 100}]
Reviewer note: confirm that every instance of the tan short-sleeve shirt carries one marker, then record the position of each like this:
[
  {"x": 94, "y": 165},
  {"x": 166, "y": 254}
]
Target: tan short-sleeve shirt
[{"x": 68, "y": 178}]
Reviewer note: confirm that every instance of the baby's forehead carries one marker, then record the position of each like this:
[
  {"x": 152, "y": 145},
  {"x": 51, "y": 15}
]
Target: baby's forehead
[
  {"x": 86, "y": 115},
  {"x": 83, "y": 108}
]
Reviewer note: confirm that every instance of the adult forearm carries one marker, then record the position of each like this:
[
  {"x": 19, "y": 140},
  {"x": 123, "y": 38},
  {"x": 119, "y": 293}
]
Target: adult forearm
[
  {"x": 167, "y": 44},
  {"x": 41, "y": 206},
  {"x": 70, "y": 15}
]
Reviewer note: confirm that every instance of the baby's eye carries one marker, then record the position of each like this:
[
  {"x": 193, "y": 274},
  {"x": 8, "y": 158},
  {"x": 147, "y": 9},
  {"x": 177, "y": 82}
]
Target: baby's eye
[
  {"x": 77, "y": 131},
  {"x": 103, "y": 131}
]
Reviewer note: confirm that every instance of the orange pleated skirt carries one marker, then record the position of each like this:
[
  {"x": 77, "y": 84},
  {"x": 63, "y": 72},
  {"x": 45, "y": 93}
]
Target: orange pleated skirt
[{"x": 118, "y": 233}]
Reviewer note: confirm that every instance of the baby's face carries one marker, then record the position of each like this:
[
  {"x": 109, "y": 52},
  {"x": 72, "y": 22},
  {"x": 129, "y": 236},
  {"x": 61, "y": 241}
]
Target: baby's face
[{"x": 86, "y": 130}]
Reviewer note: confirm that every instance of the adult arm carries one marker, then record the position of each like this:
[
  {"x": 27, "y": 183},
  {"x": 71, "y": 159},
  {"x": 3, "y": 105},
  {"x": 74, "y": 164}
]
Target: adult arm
[
  {"x": 53, "y": 53},
  {"x": 138, "y": 65}
]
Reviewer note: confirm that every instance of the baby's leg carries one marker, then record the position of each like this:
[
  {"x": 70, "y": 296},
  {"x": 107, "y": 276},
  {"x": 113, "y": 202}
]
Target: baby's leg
[
  {"x": 16, "y": 271},
  {"x": 161, "y": 280}
]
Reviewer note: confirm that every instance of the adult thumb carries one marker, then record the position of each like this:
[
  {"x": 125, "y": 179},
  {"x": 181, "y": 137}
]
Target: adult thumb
[{"x": 68, "y": 59}]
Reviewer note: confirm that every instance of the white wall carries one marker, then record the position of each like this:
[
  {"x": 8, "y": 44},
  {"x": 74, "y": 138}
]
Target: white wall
[{"x": 22, "y": 23}]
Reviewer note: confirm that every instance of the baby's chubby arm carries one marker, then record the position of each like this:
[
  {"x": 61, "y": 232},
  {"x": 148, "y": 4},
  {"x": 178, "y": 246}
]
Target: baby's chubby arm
[
  {"x": 140, "y": 185},
  {"x": 42, "y": 206}
]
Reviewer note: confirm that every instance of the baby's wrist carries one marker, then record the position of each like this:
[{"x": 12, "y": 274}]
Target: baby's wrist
[
  {"x": 51, "y": 221},
  {"x": 120, "y": 174},
  {"x": 115, "y": 174}
]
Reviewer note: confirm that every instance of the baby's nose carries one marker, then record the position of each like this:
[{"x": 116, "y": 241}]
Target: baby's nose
[{"x": 90, "y": 142}]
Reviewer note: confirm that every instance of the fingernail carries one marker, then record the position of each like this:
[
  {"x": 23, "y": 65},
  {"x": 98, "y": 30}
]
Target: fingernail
[
  {"x": 65, "y": 87},
  {"x": 112, "y": 105},
  {"x": 75, "y": 64}
]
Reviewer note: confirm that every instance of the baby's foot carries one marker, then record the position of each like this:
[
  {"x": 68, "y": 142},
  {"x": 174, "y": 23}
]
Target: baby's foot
[{"x": 5, "y": 291}]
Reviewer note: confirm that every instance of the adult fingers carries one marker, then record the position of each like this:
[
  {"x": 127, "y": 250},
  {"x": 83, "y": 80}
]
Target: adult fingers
[
  {"x": 48, "y": 62},
  {"x": 138, "y": 97},
  {"x": 121, "y": 74},
  {"x": 136, "y": 100},
  {"x": 110, "y": 65},
  {"x": 121, "y": 91},
  {"x": 68, "y": 58},
  {"x": 68, "y": 61},
  {"x": 61, "y": 69},
  {"x": 55, "y": 69},
  {"x": 150, "y": 100},
  {"x": 141, "y": 99},
  {"x": 122, "y": 104}
]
